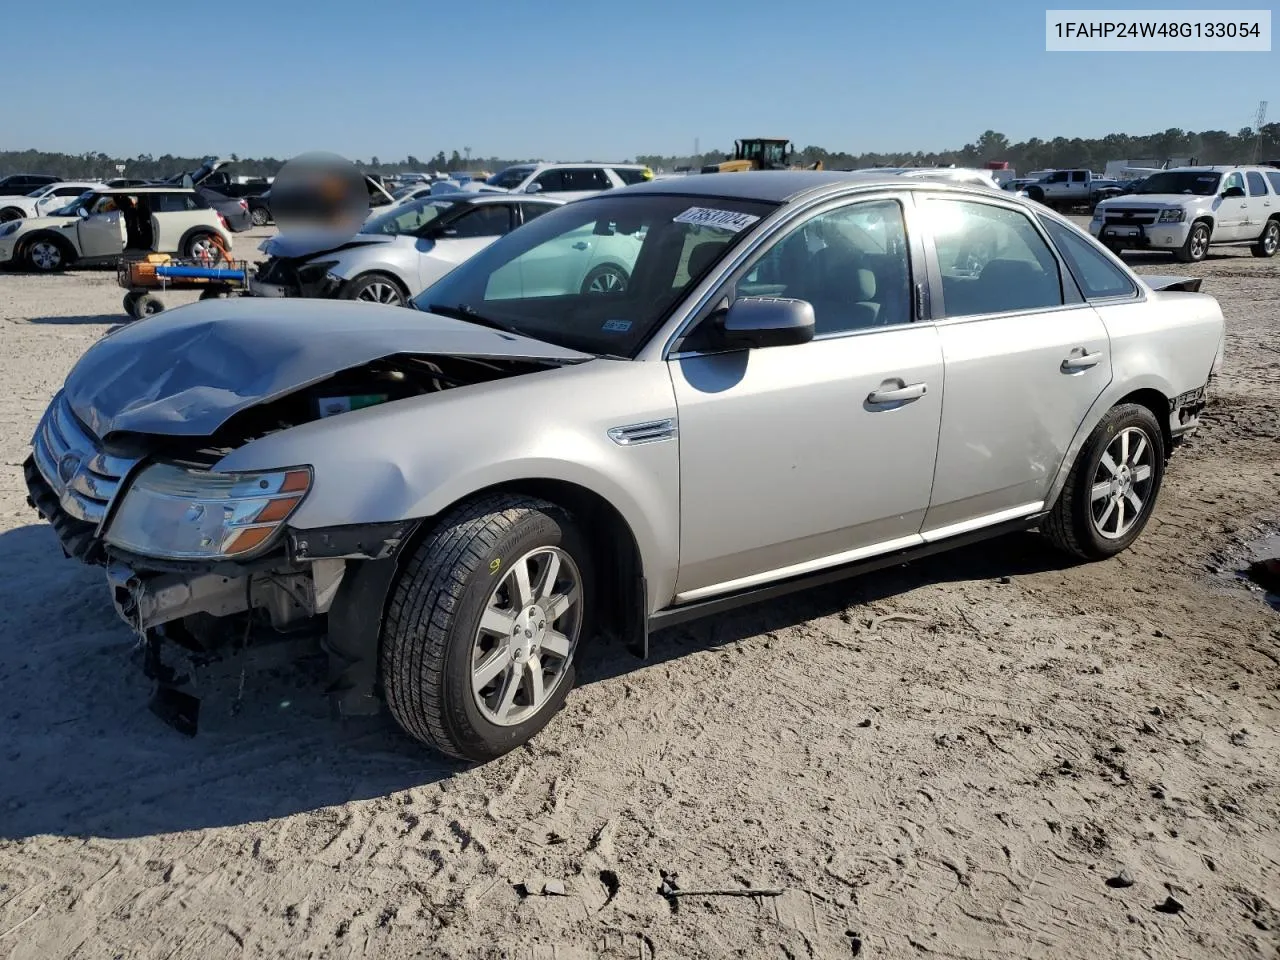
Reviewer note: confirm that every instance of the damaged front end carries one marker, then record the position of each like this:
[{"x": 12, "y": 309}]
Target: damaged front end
[{"x": 208, "y": 561}]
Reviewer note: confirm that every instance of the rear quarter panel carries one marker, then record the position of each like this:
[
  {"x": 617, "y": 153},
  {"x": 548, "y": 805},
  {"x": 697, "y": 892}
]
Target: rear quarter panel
[{"x": 1170, "y": 342}]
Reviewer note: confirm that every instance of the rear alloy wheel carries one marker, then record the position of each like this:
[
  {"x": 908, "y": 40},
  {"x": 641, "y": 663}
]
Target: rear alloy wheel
[
  {"x": 483, "y": 625},
  {"x": 1196, "y": 247},
  {"x": 1112, "y": 487},
  {"x": 259, "y": 216},
  {"x": 45, "y": 255},
  {"x": 376, "y": 288},
  {"x": 203, "y": 246},
  {"x": 607, "y": 278},
  {"x": 1269, "y": 242}
]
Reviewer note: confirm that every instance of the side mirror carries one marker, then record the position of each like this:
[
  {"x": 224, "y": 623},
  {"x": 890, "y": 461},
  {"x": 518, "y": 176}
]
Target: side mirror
[
  {"x": 533, "y": 188},
  {"x": 83, "y": 212},
  {"x": 1233, "y": 192},
  {"x": 767, "y": 322}
]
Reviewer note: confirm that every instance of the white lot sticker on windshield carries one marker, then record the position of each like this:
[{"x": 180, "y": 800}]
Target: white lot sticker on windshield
[{"x": 723, "y": 219}]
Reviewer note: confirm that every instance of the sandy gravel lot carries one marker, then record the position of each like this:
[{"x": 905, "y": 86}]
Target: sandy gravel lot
[{"x": 949, "y": 759}]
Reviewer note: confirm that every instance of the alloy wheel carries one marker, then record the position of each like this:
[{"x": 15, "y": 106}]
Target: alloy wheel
[
  {"x": 607, "y": 281},
  {"x": 527, "y": 635},
  {"x": 379, "y": 291},
  {"x": 1271, "y": 238},
  {"x": 1122, "y": 483},
  {"x": 46, "y": 255},
  {"x": 1199, "y": 243}
]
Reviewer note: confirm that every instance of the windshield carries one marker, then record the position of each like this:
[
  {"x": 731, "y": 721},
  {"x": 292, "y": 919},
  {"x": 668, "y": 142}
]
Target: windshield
[
  {"x": 40, "y": 191},
  {"x": 408, "y": 217},
  {"x": 598, "y": 275},
  {"x": 509, "y": 178},
  {"x": 1200, "y": 184}
]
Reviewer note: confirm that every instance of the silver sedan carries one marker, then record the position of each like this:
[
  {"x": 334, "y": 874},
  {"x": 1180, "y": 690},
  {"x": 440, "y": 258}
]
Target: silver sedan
[{"x": 804, "y": 376}]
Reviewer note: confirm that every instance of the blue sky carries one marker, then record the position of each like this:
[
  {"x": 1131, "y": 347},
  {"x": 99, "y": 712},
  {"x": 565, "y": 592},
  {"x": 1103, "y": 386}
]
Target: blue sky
[{"x": 569, "y": 79}]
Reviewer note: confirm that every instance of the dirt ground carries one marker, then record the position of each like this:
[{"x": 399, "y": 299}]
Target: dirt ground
[{"x": 990, "y": 754}]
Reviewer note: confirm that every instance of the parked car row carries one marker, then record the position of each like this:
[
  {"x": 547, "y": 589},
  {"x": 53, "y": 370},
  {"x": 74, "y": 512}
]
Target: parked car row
[{"x": 276, "y": 478}]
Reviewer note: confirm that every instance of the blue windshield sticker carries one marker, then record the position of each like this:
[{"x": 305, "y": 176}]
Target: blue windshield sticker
[{"x": 616, "y": 326}]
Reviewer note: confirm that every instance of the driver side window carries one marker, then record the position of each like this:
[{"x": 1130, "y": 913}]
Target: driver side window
[
  {"x": 487, "y": 220},
  {"x": 1233, "y": 180},
  {"x": 851, "y": 264}
]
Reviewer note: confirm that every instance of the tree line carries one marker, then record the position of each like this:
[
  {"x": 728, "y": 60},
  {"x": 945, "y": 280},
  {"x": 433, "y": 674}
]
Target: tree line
[{"x": 1207, "y": 146}]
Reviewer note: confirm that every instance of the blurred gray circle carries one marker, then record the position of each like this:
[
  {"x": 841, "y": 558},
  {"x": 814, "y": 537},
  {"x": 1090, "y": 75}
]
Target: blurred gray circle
[{"x": 319, "y": 191}]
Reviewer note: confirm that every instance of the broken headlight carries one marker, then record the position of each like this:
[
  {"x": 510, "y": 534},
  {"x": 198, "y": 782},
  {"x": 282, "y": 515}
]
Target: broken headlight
[{"x": 171, "y": 511}]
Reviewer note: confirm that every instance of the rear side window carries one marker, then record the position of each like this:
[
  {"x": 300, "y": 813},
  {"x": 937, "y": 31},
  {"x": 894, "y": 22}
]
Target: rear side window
[
  {"x": 1257, "y": 185},
  {"x": 175, "y": 203},
  {"x": 1098, "y": 277},
  {"x": 586, "y": 178},
  {"x": 1275, "y": 180},
  {"x": 534, "y": 210},
  {"x": 992, "y": 259},
  {"x": 68, "y": 191},
  {"x": 630, "y": 175}
]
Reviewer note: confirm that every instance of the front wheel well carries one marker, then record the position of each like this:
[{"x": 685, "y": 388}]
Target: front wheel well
[
  {"x": 613, "y": 545},
  {"x": 67, "y": 247},
  {"x": 1158, "y": 404}
]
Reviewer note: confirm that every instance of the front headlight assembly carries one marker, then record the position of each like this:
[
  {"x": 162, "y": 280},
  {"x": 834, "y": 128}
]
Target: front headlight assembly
[
  {"x": 13, "y": 226},
  {"x": 174, "y": 512},
  {"x": 1173, "y": 215}
]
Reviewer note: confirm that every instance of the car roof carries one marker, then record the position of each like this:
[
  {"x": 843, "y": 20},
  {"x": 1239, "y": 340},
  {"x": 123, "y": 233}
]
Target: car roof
[
  {"x": 483, "y": 198},
  {"x": 1209, "y": 168},
  {"x": 774, "y": 186},
  {"x": 154, "y": 188}
]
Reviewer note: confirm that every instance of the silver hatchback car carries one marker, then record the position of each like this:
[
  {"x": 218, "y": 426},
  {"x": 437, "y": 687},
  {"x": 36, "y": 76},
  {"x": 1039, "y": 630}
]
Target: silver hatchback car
[{"x": 806, "y": 375}]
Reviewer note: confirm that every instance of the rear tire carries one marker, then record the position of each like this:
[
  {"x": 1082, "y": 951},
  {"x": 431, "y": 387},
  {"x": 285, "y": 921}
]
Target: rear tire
[
  {"x": 605, "y": 279},
  {"x": 1196, "y": 247},
  {"x": 445, "y": 636},
  {"x": 202, "y": 246},
  {"x": 1101, "y": 511},
  {"x": 1269, "y": 242},
  {"x": 259, "y": 216}
]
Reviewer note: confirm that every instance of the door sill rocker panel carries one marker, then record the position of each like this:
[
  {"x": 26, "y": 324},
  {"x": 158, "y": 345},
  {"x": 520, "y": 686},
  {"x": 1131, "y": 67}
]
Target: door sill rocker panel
[
  {"x": 978, "y": 523},
  {"x": 695, "y": 609}
]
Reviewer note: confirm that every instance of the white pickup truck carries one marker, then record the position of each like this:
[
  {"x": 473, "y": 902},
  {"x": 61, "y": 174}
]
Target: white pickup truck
[
  {"x": 1187, "y": 210},
  {"x": 1063, "y": 189}
]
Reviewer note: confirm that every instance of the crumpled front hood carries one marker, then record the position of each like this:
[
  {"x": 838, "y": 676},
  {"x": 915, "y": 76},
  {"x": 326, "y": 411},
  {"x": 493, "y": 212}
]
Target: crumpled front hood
[
  {"x": 309, "y": 244},
  {"x": 186, "y": 371}
]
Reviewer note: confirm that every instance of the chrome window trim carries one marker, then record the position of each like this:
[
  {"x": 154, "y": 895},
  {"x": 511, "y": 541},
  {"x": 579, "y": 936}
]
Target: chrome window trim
[{"x": 786, "y": 217}]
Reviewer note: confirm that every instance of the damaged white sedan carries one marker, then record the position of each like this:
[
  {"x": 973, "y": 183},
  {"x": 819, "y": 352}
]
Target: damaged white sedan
[{"x": 806, "y": 375}]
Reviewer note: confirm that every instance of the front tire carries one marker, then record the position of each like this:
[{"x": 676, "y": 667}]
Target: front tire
[
  {"x": 607, "y": 278},
  {"x": 1196, "y": 247},
  {"x": 45, "y": 255},
  {"x": 259, "y": 216},
  {"x": 479, "y": 640},
  {"x": 376, "y": 288},
  {"x": 1112, "y": 487},
  {"x": 11, "y": 213},
  {"x": 1269, "y": 242}
]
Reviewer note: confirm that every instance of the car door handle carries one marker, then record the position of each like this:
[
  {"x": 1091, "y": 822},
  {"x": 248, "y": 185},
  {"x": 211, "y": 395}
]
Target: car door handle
[
  {"x": 1081, "y": 361},
  {"x": 581, "y": 245},
  {"x": 903, "y": 394}
]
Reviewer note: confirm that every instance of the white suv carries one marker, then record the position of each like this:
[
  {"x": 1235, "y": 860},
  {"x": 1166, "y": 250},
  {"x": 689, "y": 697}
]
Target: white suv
[
  {"x": 564, "y": 181},
  {"x": 1189, "y": 209}
]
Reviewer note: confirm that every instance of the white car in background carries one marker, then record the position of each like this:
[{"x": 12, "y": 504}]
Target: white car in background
[
  {"x": 409, "y": 247},
  {"x": 564, "y": 181},
  {"x": 44, "y": 200}
]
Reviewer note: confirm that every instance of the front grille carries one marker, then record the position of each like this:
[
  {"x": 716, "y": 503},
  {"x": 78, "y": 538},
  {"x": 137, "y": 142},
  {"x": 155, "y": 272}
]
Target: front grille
[
  {"x": 83, "y": 477},
  {"x": 1133, "y": 216}
]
